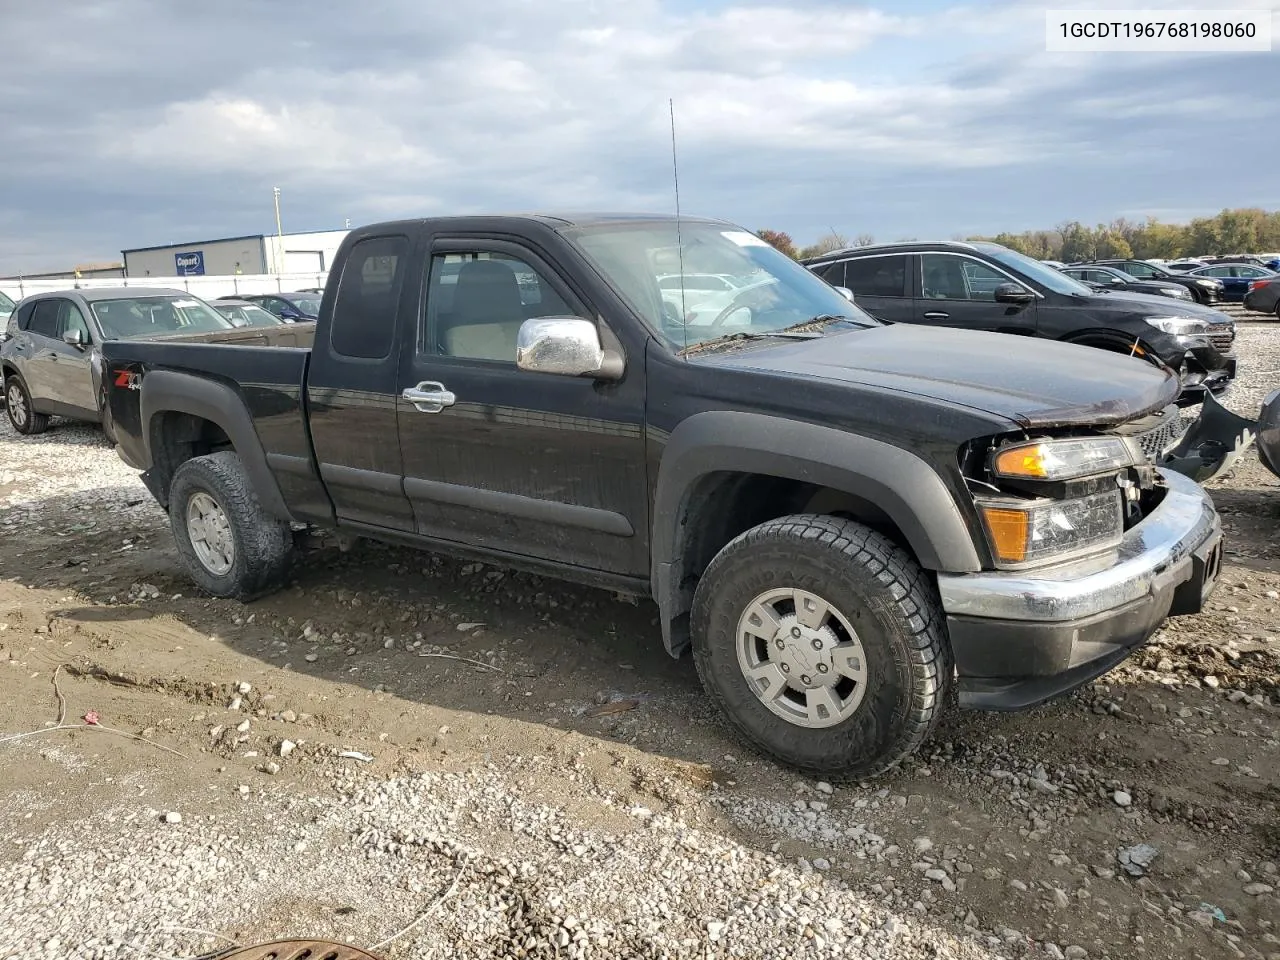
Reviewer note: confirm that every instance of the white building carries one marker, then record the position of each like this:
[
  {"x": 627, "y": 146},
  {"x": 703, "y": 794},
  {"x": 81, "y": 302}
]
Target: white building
[{"x": 256, "y": 254}]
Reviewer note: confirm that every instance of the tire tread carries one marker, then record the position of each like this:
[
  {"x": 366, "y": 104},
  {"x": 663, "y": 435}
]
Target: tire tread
[{"x": 911, "y": 590}]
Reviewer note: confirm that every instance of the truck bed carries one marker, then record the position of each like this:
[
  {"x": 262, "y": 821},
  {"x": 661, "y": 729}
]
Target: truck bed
[{"x": 197, "y": 379}]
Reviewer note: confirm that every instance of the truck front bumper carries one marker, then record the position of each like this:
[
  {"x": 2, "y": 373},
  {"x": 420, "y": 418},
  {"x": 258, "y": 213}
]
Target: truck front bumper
[{"x": 1022, "y": 638}]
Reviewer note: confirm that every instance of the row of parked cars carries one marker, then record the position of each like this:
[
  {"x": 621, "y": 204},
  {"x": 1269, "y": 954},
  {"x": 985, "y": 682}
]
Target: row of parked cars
[
  {"x": 1246, "y": 279},
  {"x": 850, "y": 487},
  {"x": 50, "y": 348}
]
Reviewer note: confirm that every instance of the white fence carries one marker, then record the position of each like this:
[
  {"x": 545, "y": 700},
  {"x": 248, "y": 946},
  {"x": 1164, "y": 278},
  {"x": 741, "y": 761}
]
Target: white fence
[{"x": 206, "y": 288}]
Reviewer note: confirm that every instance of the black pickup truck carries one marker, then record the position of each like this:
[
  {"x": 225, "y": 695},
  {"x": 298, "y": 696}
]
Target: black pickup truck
[{"x": 842, "y": 519}]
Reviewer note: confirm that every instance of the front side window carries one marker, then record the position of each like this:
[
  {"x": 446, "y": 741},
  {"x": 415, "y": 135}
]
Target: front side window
[
  {"x": 771, "y": 291},
  {"x": 877, "y": 276},
  {"x": 477, "y": 301},
  {"x": 72, "y": 320},
  {"x": 1143, "y": 271},
  {"x": 364, "y": 313},
  {"x": 140, "y": 317},
  {"x": 948, "y": 277}
]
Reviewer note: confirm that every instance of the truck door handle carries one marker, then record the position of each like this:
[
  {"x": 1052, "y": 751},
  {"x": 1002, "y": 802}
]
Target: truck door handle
[
  {"x": 936, "y": 315},
  {"x": 429, "y": 397}
]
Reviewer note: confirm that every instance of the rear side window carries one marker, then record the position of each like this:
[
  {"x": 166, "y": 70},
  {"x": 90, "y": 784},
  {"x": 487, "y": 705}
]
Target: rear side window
[
  {"x": 44, "y": 319},
  {"x": 364, "y": 312},
  {"x": 877, "y": 276}
]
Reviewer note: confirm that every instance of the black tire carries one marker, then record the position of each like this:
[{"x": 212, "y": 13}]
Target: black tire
[
  {"x": 263, "y": 545},
  {"x": 889, "y": 600},
  {"x": 108, "y": 425},
  {"x": 28, "y": 422}
]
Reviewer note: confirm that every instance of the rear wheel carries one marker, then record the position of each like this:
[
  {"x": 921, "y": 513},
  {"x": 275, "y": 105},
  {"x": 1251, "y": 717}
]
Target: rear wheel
[
  {"x": 229, "y": 545},
  {"x": 21, "y": 414},
  {"x": 822, "y": 641}
]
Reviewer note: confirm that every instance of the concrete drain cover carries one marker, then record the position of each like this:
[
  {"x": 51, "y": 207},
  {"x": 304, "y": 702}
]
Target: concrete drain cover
[{"x": 296, "y": 950}]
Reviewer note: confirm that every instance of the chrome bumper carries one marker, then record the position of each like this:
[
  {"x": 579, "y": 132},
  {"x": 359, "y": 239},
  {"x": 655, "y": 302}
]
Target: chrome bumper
[{"x": 1154, "y": 556}]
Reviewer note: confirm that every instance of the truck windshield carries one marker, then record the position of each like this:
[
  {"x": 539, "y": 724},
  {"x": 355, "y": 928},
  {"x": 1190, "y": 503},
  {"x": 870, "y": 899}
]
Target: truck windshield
[
  {"x": 763, "y": 291},
  {"x": 141, "y": 317}
]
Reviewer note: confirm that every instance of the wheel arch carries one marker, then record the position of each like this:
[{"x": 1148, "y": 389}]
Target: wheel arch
[
  {"x": 723, "y": 472},
  {"x": 185, "y": 416}
]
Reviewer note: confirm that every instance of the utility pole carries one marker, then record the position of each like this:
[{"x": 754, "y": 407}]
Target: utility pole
[{"x": 275, "y": 192}]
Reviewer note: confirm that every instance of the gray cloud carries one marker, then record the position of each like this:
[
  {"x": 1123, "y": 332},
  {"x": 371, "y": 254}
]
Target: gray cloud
[{"x": 157, "y": 122}]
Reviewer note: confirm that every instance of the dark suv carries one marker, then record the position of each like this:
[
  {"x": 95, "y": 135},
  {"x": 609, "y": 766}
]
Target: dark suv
[
  {"x": 1206, "y": 290},
  {"x": 985, "y": 286}
]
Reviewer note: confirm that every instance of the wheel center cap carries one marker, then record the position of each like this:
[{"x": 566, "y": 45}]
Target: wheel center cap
[{"x": 805, "y": 654}]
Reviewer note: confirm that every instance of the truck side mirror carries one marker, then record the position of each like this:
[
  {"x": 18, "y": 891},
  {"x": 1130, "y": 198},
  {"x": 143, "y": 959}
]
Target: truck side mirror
[
  {"x": 846, "y": 293},
  {"x": 567, "y": 346}
]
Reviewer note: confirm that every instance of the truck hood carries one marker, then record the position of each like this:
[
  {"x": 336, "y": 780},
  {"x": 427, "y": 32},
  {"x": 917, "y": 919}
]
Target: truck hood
[{"x": 1031, "y": 382}]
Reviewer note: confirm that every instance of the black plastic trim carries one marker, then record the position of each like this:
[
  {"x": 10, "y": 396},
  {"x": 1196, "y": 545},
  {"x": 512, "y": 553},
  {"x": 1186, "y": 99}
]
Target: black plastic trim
[{"x": 514, "y": 505}]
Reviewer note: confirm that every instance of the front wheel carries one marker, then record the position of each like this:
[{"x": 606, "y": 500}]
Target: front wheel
[
  {"x": 229, "y": 545},
  {"x": 822, "y": 641}
]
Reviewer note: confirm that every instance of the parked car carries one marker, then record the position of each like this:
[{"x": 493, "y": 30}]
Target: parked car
[
  {"x": 289, "y": 307},
  {"x": 1237, "y": 258},
  {"x": 1182, "y": 266},
  {"x": 986, "y": 286},
  {"x": 1264, "y": 296},
  {"x": 1109, "y": 278},
  {"x": 839, "y": 517},
  {"x": 6, "y": 307},
  {"x": 1236, "y": 277},
  {"x": 1206, "y": 290},
  {"x": 50, "y": 352},
  {"x": 243, "y": 313}
]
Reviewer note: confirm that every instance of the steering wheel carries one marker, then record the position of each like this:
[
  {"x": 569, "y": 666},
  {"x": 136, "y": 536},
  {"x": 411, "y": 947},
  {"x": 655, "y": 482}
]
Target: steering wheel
[
  {"x": 732, "y": 307},
  {"x": 670, "y": 315}
]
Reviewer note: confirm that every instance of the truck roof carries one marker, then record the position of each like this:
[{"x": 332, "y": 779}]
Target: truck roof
[{"x": 554, "y": 220}]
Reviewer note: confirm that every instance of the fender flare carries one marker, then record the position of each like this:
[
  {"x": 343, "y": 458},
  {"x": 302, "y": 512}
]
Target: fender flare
[
  {"x": 167, "y": 391},
  {"x": 903, "y": 485}
]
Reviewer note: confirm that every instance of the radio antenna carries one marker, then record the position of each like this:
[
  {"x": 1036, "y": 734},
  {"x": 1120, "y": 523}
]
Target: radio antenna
[{"x": 675, "y": 176}]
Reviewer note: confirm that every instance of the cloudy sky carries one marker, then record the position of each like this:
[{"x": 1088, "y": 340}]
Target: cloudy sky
[{"x": 128, "y": 123}]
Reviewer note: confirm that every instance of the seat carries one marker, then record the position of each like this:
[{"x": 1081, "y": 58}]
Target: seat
[
  {"x": 942, "y": 281},
  {"x": 484, "y": 323}
]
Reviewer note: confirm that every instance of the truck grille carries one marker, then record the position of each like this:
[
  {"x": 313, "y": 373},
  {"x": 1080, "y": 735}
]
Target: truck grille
[
  {"x": 1157, "y": 433},
  {"x": 1222, "y": 340}
]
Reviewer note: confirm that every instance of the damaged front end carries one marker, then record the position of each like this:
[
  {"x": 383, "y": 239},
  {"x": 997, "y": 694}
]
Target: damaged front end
[{"x": 1216, "y": 440}]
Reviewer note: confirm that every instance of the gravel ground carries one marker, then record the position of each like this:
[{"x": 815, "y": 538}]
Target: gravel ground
[{"x": 563, "y": 790}]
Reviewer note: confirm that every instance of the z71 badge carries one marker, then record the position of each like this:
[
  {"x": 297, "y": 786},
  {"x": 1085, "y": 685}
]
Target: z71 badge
[{"x": 129, "y": 379}]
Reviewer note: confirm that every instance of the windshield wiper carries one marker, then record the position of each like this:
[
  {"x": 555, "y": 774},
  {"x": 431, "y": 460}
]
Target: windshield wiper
[{"x": 744, "y": 335}]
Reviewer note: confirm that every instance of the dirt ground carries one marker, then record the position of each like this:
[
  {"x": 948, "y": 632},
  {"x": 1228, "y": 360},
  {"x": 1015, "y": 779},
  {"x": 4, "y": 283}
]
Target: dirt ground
[{"x": 1005, "y": 831}]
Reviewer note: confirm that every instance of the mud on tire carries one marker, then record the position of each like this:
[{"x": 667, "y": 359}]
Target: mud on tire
[
  {"x": 877, "y": 589},
  {"x": 261, "y": 545}
]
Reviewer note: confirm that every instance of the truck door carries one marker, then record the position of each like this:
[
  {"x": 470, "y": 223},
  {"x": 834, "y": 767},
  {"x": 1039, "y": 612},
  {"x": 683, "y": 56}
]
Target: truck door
[
  {"x": 352, "y": 386},
  {"x": 531, "y": 464}
]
